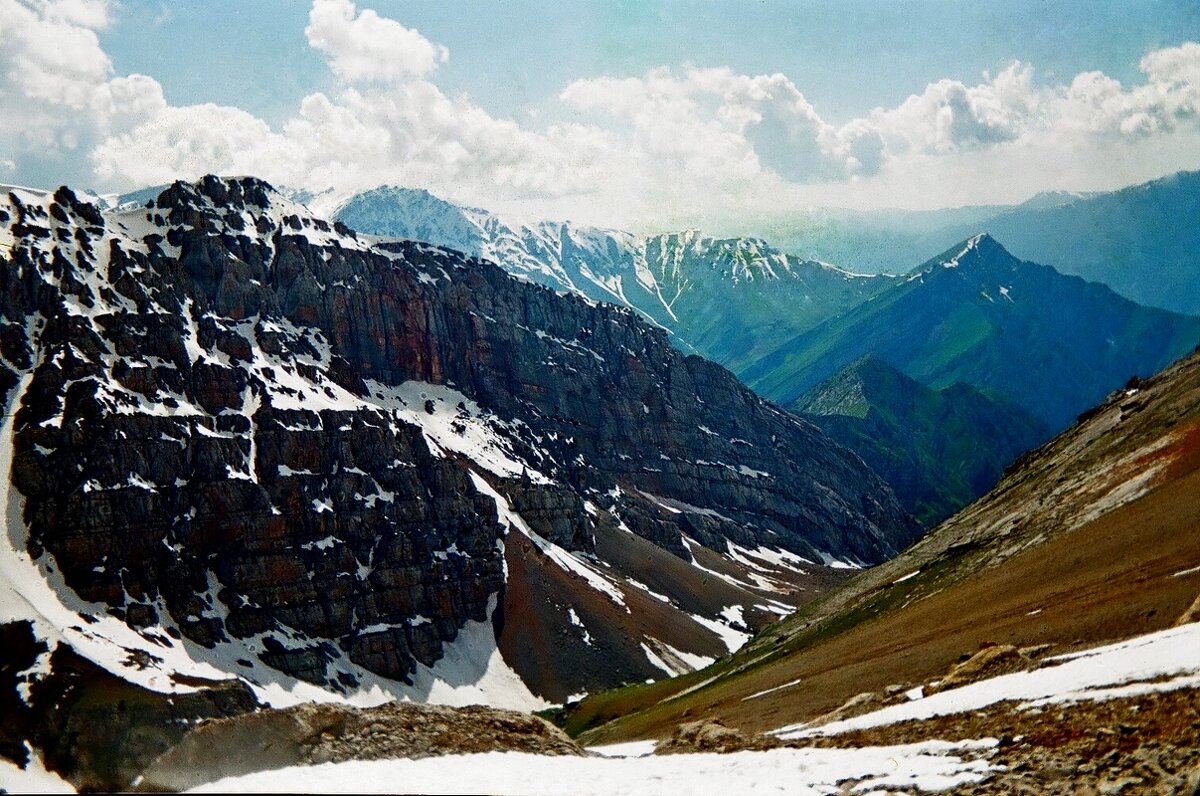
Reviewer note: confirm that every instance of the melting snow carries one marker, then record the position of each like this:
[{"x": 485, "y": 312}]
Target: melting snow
[
  {"x": 34, "y": 778},
  {"x": 758, "y": 694},
  {"x": 558, "y": 555},
  {"x": 1162, "y": 661},
  {"x": 629, "y": 769}
]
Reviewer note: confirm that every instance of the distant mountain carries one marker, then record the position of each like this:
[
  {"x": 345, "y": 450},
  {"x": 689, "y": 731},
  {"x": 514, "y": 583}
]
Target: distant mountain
[
  {"x": 1055, "y": 344},
  {"x": 728, "y": 299},
  {"x": 1142, "y": 241},
  {"x": 939, "y": 450}
]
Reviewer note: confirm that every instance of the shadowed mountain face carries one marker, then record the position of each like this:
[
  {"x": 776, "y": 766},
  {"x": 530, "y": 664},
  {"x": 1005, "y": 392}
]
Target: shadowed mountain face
[
  {"x": 938, "y": 449},
  {"x": 977, "y": 315},
  {"x": 308, "y": 458},
  {"x": 1141, "y": 241},
  {"x": 730, "y": 300}
]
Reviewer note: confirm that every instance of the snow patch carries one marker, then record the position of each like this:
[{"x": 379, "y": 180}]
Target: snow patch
[{"x": 630, "y": 769}]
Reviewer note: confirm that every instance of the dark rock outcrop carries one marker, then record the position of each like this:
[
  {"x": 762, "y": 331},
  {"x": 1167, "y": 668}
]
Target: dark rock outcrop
[
  {"x": 312, "y": 734},
  {"x": 221, "y": 432},
  {"x": 94, "y": 728}
]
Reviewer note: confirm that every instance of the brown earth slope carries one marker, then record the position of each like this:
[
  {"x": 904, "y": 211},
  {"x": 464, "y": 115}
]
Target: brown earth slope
[{"x": 1091, "y": 538}]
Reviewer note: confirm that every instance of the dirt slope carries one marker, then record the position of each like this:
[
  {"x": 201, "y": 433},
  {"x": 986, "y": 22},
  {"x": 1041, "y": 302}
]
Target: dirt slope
[{"x": 1091, "y": 538}]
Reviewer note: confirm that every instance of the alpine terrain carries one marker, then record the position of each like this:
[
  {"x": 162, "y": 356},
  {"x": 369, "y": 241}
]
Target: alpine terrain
[
  {"x": 1056, "y": 618},
  {"x": 1140, "y": 240},
  {"x": 730, "y": 300},
  {"x": 253, "y": 457},
  {"x": 939, "y": 449},
  {"x": 976, "y": 315}
]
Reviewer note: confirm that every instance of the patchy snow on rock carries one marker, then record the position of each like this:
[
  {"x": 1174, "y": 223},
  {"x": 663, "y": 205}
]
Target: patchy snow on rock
[
  {"x": 628, "y": 769},
  {"x": 470, "y": 672},
  {"x": 1164, "y": 661},
  {"x": 453, "y": 422},
  {"x": 560, "y": 556},
  {"x": 473, "y": 672},
  {"x": 734, "y": 639}
]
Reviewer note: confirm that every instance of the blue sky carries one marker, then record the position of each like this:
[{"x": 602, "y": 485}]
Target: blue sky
[
  {"x": 509, "y": 57},
  {"x": 628, "y": 113}
]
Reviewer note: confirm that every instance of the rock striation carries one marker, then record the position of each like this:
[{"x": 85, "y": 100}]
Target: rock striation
[{"x": 248, "y": 425}]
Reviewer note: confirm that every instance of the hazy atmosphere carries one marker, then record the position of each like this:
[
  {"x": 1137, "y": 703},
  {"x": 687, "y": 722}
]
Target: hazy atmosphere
[{"x": 629, "y": 114}]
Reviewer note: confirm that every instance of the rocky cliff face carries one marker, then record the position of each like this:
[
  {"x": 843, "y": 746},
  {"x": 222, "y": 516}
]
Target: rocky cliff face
[{"x": 245, "y": 426}]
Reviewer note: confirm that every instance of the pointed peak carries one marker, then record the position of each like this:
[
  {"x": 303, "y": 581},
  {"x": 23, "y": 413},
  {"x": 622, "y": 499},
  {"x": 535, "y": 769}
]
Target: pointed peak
[
  {"x": 980, "y": 249},
  {"x": 982, "y": 243}
]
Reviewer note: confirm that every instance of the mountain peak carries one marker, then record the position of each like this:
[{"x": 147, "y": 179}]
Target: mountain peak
[
  {"x": 982, "y": 244},
  {"x": 976, "y": 251}
]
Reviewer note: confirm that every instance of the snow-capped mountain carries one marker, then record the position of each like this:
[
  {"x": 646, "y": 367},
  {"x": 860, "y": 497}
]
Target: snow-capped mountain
[
  {"x": 243, "y": 442},
  {"x": 723, "y": 298}
]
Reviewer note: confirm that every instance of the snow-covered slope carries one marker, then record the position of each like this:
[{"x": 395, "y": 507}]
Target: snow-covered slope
[{"x": 245, "y": 443}]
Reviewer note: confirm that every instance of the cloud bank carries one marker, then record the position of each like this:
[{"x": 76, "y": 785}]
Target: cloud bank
[{"x": 700, "y": 146}]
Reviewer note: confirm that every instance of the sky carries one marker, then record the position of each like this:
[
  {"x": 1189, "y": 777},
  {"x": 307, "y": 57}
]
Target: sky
[{"x": 637, "y": 114}]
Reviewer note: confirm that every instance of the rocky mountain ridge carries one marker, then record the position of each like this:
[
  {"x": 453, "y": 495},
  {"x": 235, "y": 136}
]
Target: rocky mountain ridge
[
  {"x": 1139, "y": 240},
  {"x": 939, "y": 449},
  {"x": 1052, "y": 343},
  {"x": 726, "y": 299},
  {"x": 250, "y": 443},
  {"x": 1075, "y": 580}
]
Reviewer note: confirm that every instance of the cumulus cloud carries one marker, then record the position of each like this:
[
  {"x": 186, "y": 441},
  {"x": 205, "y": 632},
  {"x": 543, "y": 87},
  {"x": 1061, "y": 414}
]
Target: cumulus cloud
[
  {"x": 674, "y": 145},
  {"x": 716, "y": 124},
  {"x": 194, "y": 140},
  {"x": 363, "y": 46},
  {"x": 949, "y": 116},
  {"x": 57, "y": 92}
]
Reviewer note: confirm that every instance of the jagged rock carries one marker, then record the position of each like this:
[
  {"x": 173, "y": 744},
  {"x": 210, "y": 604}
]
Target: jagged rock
[
  {"x": 223, "y": 429},
  {"x": 94, "y": 728},
  {"x": 713, "y": 736},
  {"x": 310, "y": 734}
]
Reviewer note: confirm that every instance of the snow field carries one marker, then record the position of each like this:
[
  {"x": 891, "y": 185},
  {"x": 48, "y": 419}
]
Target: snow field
[{"x": 929, "y": 766}]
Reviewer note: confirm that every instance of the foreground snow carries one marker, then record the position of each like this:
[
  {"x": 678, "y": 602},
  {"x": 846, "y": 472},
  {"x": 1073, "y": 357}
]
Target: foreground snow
[
  {"x": 34, "y": 778},
  {"x": 930, "y": 766},
  {"x": 1162, "y": 661}
]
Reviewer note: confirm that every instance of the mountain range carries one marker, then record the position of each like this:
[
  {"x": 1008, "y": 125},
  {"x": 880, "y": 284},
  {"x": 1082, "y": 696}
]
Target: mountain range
[
  {"x": 783, "y": 324},
  {"x": 255, "y": 458},
  {"x": 728, "y": 299},
  {"x": 1141, "y": 241},
  {"x": 247, "y": 443},
  {"x": 977, "y": 315},
  {"x": 991, "y": 623}
]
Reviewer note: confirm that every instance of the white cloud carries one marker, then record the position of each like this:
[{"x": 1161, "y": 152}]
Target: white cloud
[
  {"x": 717, "y": 125},
  {"x": 949, "y": 116},
  {"x": 57, "y": 94},
  {"x": 190, "y": 141},
  {"x": 672, "y": 146},
  {"x": 363, "y": 46}
]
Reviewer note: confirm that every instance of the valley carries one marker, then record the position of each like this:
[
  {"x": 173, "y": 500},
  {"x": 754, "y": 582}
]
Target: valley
[{"x": 312, "y": 464}]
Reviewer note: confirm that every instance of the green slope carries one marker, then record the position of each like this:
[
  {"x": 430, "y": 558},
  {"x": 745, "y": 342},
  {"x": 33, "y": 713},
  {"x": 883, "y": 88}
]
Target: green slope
[
  {"x": 939, "y": 450},
  {"x": 977, "y": 315}
]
